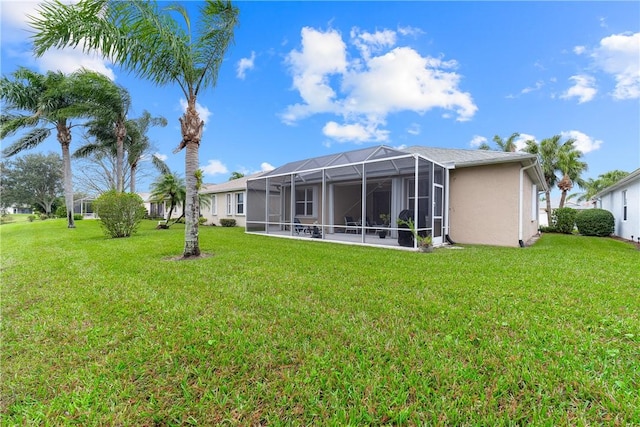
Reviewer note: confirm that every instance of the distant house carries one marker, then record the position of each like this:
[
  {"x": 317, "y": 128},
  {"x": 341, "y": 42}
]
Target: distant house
[
  {"x": 227, "y": 200},
  {"x": 18, "y": 209},
  {"x": 622, "y": 199},
  {"x": 454, "y": 195}
]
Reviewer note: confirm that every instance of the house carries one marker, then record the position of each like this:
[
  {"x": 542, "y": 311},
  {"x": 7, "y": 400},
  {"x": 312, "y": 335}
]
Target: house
[
  {"x": 454, "y": 195},
  {"x": 226, "y": 200},
  {"x": 622, "y": 199}
]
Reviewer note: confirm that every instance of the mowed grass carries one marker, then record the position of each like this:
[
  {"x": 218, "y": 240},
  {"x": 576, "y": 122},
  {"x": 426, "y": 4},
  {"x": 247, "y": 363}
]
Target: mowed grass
[{"x": 273, "y": 331}]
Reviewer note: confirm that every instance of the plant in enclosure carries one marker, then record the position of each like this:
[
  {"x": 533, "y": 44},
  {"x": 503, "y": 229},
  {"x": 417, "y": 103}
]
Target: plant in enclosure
[
  {"x": 120, "y": 213},
  {"x": 149, "y": 42}
]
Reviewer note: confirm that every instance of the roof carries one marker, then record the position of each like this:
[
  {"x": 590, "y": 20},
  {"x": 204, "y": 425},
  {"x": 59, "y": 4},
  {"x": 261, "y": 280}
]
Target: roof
[
  {"x": 239, "y": 184},
  {"x": 624, "y": 181},
  {"x": 466, "y": 158}
]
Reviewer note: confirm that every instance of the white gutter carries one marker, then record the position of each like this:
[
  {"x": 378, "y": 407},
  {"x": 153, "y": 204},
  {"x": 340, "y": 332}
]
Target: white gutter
[{"x": 521, "y": 201}]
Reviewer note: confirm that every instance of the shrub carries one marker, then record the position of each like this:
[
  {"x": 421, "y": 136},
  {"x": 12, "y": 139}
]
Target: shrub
[
  {"x": 595, "y": 222},
  {"x": 547, "y": 229},
  {"x": 227, "y": 222},
  {"x": 61, "y": 211},
  {"x": 202, "y": 220},
  {"x": 564, "y": 220},
  {"x": 120, "y": 213},
  {"x": 77, "y": 217},
  {"x": 31, "y": 218},
  {"x": 44, "y": 216}
]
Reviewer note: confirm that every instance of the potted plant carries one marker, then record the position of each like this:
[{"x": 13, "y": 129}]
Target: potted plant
[
  {"x": 425, "y": 243},
  {"x": 385, "y": 218}
]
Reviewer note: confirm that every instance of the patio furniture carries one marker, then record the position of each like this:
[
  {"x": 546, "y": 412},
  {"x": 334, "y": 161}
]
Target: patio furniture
[
  {"x": 298, "y": 227},
  {"x": 351, "y": 225}
]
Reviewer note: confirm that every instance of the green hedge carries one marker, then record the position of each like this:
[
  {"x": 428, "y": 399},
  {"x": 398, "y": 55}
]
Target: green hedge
[
  {"x": 227, "y": 222},
  {"x": 120, "y": 213},
  {"x": 564, "y": 220},
  {"x": 595, "y": 222}
]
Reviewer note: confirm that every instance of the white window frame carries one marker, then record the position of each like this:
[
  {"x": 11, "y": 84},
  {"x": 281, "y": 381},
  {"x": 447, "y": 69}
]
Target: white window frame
[
  {"x": 240, "y": 203},
  {"x": 229, "y": 205},
  {"x": 306, "y": 202},
  {"x": 625, "y": 209},
  {"x": 214, "y": 205}
]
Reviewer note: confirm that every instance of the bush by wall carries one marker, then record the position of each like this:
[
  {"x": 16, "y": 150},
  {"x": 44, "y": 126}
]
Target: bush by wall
[
  {"x": 595, "y": 222},
  {"x": 61, "y": 211},
  {"x": 227, "y": 222},
  {"x": 564, "y": 220},
  {"x": 77, "y": 217},
  {"x": 120, "y": 213}
]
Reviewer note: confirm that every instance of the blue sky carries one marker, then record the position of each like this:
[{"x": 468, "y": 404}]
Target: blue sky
[{"x": 305, "y": 79}]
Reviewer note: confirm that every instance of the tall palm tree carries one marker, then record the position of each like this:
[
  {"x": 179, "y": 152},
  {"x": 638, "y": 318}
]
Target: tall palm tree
[
  {"x": 137, "y": 145},
  {"x": 42, "y": 103},
  {"x": 571, "y": 167},
  {"x": 149, "y": 42},
  {"x": 548, "y": 151}
]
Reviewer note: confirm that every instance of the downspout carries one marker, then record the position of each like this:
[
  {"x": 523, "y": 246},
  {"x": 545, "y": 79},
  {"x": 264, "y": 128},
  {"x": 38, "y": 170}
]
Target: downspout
[
  {"x": 521, "y": 202},
  {"x": 415, "y": 199}
]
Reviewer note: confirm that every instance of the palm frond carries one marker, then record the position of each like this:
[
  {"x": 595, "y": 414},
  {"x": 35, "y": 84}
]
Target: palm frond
[{"x": 28, "y": 141}]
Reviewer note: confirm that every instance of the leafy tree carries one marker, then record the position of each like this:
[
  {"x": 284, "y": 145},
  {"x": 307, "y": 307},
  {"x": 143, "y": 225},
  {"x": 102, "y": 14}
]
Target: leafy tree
[
  {"x": 169, "y": 188},
  {"x": 33, "y": 179},
  {"x": 150, "y": 43},
  {"x": 138, "y": 144},
  {"x": 594, "y": 186},
  {"x": 236, "y": 175},
  {"x": 43, "y": 103},
  {"x": 509, "y": 145},
  {"x": 548, "y": 151}
]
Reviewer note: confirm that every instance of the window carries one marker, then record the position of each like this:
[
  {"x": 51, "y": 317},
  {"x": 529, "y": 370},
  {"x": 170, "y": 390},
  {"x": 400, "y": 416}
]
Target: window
[
  {"x": 229, "y": 205},
  {"x": 239, "y": 203},
  {"x": 214, "y": 205},
  {"x": 624, "y": 205},
  {"x": 304, "y": 202}
]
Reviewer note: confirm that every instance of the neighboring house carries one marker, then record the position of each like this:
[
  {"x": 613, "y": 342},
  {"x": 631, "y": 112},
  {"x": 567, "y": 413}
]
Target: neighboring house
[
  {"x": 622, "y": 199},
  {"x": 461, "y": 196},
  {"x": 15, "y": 209},
  {"x": 84, "y": 206},
  {"x": 227, "y": 200}
]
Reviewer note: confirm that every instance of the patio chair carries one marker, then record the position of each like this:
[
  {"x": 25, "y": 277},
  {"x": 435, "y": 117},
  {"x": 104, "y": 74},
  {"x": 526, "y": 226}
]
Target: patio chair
[
  {"x": 298, "y": 227},
  {"x": 351, "y": 225}
]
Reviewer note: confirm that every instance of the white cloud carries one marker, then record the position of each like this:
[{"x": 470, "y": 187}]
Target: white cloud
[
  {"x": 215, "y": 167},
  {"x": 539, "y": 84},
  {"x": 245, "y": 64},
  {"x": 583, "y": 89},
  {"x": 579, "y": 50},
  {"x": 356, "y": 132},
  {"x": 203, "y": 111},
  {"x": 375, "y": 83},
  {"x": 410, "y": 31},
  {"x": 618, "y": 55},
  {"x": 477, "y": 141},
  {"x": 266, "y": 167},
  {"x": 162, "y": 157},
  {"x": 69, "y": 60},
  {"x": 583, "y": 142},
  {"x": 414, "y": 129}
]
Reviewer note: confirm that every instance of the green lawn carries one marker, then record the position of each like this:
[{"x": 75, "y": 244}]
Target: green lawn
[{"x": 281, "y": 332}]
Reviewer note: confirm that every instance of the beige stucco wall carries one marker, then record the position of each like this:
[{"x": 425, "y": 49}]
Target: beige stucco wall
[
  {"x": 484, "y": 205},
  {"x": 221, "y": 205}
]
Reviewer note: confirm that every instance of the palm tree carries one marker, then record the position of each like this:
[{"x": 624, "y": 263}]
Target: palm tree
[
  {"x": 236, "y": 175},
  {"x": 548, "y": 151},
  {"x": 594, "y": 186},
  {"x": 169, "y": 188},
  {"x": 509, "y": 145},
  {"x": 571, "y": 167},
  {"x": 154, "y": 46},
  {"x": 138, "y": 144},
  {"x": 43, "y": 103}
]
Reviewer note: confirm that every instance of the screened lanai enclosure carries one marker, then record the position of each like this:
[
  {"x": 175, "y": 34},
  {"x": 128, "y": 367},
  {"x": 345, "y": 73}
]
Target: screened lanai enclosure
[{"x": 356, "y": 197}]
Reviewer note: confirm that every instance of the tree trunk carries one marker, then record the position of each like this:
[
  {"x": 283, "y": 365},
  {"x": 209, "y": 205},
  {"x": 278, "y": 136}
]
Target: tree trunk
[
  {"x": 564, "y": 186},
  {"x": 191, "y": 126},
  {"x": 132, "y": 182},
  {"x": 547, "y": 195},
  {"x": 121, "y": 134},
  {"x": 64, "y": 138}
]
